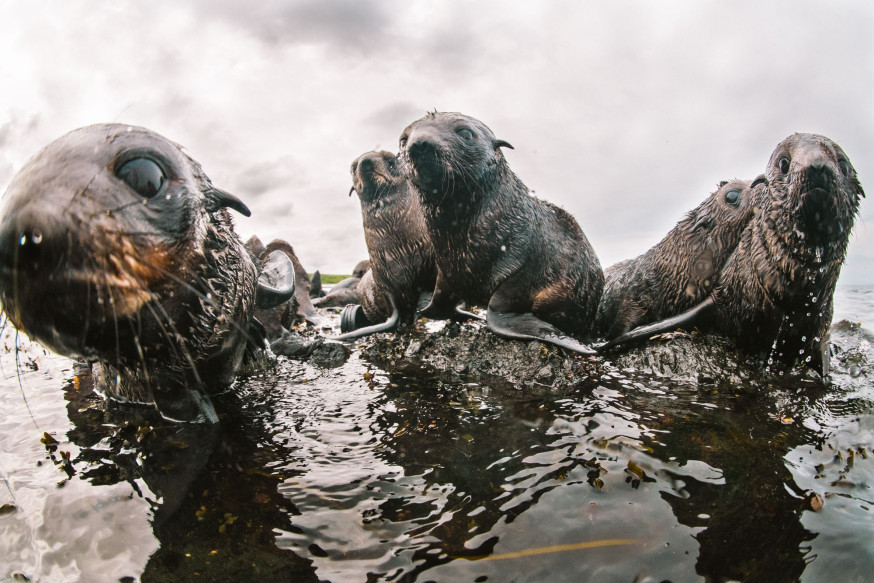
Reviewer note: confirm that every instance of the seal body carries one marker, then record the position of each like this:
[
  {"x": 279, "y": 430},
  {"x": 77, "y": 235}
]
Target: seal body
[
  {"x": 401, "y": 257},
  {"x": 494, "y": 243},
  {"x": 682, "y": 269},
  {"x": 117, "y": 249},
  {"x": 774, "y": 295}
]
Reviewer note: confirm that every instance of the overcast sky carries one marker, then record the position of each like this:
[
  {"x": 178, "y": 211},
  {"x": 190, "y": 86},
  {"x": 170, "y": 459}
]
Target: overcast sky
[{"x": 627, "y": 114}]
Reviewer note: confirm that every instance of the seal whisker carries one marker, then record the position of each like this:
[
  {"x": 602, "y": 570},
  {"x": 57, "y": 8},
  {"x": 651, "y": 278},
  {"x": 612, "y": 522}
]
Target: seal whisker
[{"x": 20, "y": 383}]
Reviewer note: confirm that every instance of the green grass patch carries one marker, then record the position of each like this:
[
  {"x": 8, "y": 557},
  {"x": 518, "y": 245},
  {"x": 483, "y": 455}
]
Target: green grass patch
[{"x": 328, "y": 279}]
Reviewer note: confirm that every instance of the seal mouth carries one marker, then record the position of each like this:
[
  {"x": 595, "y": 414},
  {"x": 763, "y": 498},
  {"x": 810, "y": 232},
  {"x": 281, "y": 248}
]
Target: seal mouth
[{"x": 821, "y": 216}]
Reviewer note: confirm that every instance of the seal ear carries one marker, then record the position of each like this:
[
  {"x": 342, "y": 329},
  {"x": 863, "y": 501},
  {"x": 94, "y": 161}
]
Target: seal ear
[
  {"x": 275, "y": 282},
  {"x": 760, "y": 179},
  {"x": 503, "y": 144},
  {"x": 227, "y": 200},
  {"x": 351, "y": 190}
]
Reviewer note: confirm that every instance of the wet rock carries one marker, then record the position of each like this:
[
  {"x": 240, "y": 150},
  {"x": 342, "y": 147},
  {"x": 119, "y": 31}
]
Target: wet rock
[
  {"x": 329, "y": 355},
  {"x": 315, "y": 349},
  {"x": 471, "y": 351}
]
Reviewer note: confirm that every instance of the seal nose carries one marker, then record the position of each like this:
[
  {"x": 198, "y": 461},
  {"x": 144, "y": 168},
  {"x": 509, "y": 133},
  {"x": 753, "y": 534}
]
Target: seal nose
[
  {"x": 32, "y": 242},
  {"x": 365, "y": 166},
  {"x": 820, "y": 174},
  {"x": 421, "y": 149}
]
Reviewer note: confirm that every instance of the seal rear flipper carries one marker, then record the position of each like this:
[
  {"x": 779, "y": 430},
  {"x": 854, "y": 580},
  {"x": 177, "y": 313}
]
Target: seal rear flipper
[
  {"x": 687, "y": 319},
  {"x": 185, "y": 404},
  {"x": 354, "y": 316},
  {"x": 275, "y": 282},
  {"x": 527, "y": 326},
  {"x": 461, "y": 313}
]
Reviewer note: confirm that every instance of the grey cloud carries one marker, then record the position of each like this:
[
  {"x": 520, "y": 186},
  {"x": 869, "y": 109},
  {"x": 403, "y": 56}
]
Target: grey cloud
[{"x": 359, "y": 25}]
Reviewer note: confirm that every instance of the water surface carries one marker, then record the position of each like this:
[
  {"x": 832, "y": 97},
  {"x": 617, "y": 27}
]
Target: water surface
[{"x": 357, "y": 474}]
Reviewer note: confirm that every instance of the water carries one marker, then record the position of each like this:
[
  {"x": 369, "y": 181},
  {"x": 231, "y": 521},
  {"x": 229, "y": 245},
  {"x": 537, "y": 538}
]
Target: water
[{"x": 356, "y": 474}]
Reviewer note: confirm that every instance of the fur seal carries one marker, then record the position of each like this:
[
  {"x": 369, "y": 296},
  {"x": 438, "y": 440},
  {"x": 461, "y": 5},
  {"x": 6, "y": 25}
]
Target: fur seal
[
  {"x": 401, "y": 256},
  {"x": 116, "y": 248},
  {"x": 681, "y": 270},
  {"x": 494, "y": 243},
  {"x": 774, "y": 295},
  {"x": 344, "y": 292}
]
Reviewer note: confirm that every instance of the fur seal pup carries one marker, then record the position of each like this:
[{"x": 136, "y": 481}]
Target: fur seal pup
[
  {"x": 344, "y": 292},
  {"x": 116, "y": 248},
  {"x": 401, "y": 256},
  {"x": 679, "y": 271},
  {"x": 774, "y": 295},
  {"x": 494, "y": 243}
]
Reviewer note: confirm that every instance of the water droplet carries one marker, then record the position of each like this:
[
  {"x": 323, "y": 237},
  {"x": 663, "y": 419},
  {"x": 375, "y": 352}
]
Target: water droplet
[
  {"x": 23, "y": 240},
  {"x": 503, "y": 247},
  {"x": 168, "y": 196}
]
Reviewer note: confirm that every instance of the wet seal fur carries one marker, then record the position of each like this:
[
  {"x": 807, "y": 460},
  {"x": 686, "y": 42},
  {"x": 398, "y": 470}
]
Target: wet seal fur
[
  {"x": 402, "y": 264},
  {"x": 774, "y": 295},
  {"x": 681, "y": 270},
  {"x": 116, "y": 248},
  {"x": 494, "y": 243}
]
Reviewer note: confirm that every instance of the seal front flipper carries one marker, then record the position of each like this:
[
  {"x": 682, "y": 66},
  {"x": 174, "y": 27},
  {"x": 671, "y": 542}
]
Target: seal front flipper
[
  {"x": 687, "y": 319},
  {"x": 353, "y": 315},
  {"x": 527, "y": 326},
  {"x": 275, "y": 282}
]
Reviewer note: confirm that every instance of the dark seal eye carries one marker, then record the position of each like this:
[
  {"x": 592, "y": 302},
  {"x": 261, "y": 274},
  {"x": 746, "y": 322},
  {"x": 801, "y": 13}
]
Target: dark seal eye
[
  {"x": 466, "y": 134},
  {"x": 143, "y": 175},
  {"x": 784, "y": 165},
  {"x": 845, "y": 167},
  {"x": 390, "y": 163},
  {"x": 732, "y": 197}
]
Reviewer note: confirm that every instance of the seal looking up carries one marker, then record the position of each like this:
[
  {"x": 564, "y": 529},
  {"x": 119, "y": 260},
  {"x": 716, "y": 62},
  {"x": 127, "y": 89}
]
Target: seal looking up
[
  {"x": 774, "y": 295},
  {"x": 401, "y": 257},
  {"x": 494, "y": 243},
  {"x": 116, "y": 248},
  {"x": 680, "y": 271}
]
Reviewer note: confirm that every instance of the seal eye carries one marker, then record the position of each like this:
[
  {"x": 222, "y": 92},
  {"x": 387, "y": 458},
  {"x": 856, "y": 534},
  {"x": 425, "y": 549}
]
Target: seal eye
[
  {"x": 143, "y": 175},
  {"x": 732, "y": 197},
  {"x": 845, "y": 167},
  {"x": 403, "y": 142},
  {"x": 466, "y": 134},
  {"x": 784, "y": 165}
]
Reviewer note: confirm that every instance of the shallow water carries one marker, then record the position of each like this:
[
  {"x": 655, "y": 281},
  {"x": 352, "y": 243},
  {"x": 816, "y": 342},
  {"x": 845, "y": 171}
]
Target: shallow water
[{"x": 356, "y": 474}]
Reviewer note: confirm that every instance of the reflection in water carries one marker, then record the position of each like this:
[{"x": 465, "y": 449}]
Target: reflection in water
[{"x": 355, "y": 474}]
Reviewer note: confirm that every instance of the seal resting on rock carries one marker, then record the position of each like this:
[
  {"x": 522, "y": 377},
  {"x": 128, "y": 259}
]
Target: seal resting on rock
[
  {"x": 680, "y": 271},
  {"x": 117, "y": 249},
  {"x": 527, "y": 260},
  {"x": 774, "y": 295},
  {"x": 401, "y": 257}
]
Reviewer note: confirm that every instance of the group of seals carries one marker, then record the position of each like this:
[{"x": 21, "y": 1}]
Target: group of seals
[
  {"x": 774, "y": 294},
  {"x": 679, "y": 271},
  {"x": 456, "y": 215},
  {"x": 756, "y": 261},
  {"x": 116, "y": 248}
]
